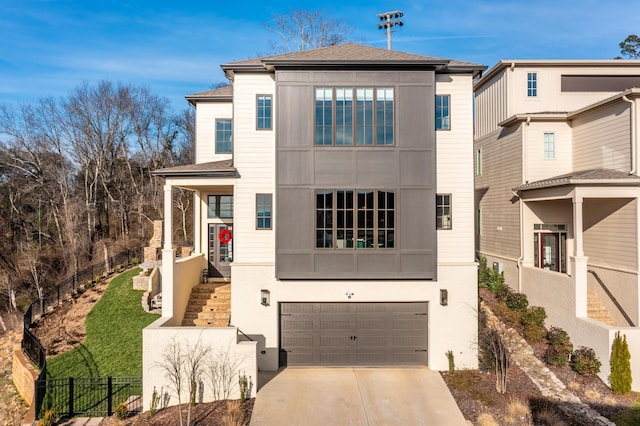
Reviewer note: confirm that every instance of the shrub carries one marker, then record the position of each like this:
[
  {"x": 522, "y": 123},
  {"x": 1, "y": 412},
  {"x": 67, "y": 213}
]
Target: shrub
[
  {"x": 517, "y": 301},
  {"x": 155, "y": 401},
  {"x": 122, "y": 411},
  {"x": 560, "y": 347},
  {"x": 487, "y": 277},
  {"x": 534, "y": 332},
  {"x": 502, "y": 292},
  {"x": 49, "y": 418},
  {"x": 620, "y": 365},
  {"x": 134, "y": 261},
  {"x": 506, "y": 314},
  {"x": 533, "y": 315},
  {"x": 450, "y": 358},
  {"x": 585, "y": 362}
]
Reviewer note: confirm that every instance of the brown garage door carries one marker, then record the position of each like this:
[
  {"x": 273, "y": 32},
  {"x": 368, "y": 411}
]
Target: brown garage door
[{"x": 353, "y": 333}]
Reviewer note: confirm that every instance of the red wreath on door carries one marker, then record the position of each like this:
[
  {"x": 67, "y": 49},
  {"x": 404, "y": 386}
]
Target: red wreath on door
[{"x": 224, "y": 236}]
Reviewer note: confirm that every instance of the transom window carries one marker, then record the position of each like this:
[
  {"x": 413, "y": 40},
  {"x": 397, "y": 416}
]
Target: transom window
[
  {"x": 220, "y": 206},
  {"x": 532, "y": 84},
  {"x": 355, "y": 219},
  {"x": 223, "y": 136},
  {"x": 442, "y": 112},
  {"x": 549, "y": 146},
  {"x": 443, "y": 211},
  {"x": 263, "y": 112},
  {"x": 360, "y": 116},
  {"x": 550, "y": 247}
]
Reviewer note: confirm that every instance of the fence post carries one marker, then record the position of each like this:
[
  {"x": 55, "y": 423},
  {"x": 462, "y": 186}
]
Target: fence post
[
  {"x": 110, "y": 395},
  {"x": 71, "y": 413}
]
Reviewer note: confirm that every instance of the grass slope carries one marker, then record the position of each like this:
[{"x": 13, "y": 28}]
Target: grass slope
[{"x": 113, "y": 346}]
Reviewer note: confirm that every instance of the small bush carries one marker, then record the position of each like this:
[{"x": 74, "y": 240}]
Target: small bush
[
  {"x": 560, "y": 347},
  {"x": 620, "y": 365},
  {"x": 502, "y": 292},
  {"x": 49, "y": 418},
  {"x": 534, "y": 332},
  {"x": 450, "y": 358},
  {"x": 585, "y": 362},
  {"x": 134, "y": 261},
  {"x": 534, "y": 315},
  {"x": 122, "y": 411},
  {"x": 507, "y": 314},
  {"x": 467, "y": 380},
  {"x": 155, "y": 401},
  {"x": 517, "y": 301}
]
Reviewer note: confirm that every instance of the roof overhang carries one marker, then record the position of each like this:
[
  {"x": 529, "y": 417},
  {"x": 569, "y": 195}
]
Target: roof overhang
[
  {"x": 220, "y": 169},
  {"x": 597, "y": 177},
  {"x": 543, "y": 117}
]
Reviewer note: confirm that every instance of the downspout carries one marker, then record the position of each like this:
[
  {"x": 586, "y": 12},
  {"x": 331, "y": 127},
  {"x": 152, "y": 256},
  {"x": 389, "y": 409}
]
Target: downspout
[
  {"x": 525, "y": 135},
  {"x": 634, "y": 142}
]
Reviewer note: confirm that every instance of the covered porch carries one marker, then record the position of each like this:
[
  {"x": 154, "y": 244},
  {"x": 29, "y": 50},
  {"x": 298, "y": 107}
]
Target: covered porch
[{"x": 579, "y": 257}]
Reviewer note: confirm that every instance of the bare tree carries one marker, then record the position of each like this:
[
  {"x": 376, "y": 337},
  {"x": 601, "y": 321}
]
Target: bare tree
[
  {"x": 221, "y": 372},
  {"x": 304, "y": 29},
  {"x": 194, "y": 364},
  {"x": 172, "y": 364}
]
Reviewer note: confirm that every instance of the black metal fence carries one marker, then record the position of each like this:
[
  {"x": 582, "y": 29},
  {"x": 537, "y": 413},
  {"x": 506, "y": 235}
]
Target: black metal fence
[
  {"x": 89, "y": 396},
  {"x": 79, "y": 280}
]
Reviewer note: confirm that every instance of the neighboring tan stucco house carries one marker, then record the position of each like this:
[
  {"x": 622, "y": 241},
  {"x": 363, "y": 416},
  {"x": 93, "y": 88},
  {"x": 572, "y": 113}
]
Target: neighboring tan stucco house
[
  {"x": 557, "y": 186},
  {"x": 333, "y": 191}
]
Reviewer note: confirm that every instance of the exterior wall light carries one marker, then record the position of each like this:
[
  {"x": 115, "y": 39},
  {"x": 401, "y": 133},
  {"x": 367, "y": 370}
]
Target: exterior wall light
[
  {"x": 265, "y": 297},
  {"x": 444, "y": 297}
]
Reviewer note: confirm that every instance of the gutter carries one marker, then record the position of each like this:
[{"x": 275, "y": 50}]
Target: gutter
[
  {"x": 520, "y": 260},
  {"x": 634, "y": 142}
]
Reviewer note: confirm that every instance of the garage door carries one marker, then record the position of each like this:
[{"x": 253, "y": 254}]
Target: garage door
[{"x": 353, "y": 333}]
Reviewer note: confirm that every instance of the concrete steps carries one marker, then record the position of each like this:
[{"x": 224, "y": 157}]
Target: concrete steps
[
  {"x": 597, "y": 311},
  {"x": 209, "y": 306}
]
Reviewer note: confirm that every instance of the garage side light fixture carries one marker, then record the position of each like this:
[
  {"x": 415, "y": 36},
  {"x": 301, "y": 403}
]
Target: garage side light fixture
[
  {"x": 444, "y": 297},
  {"x": 265, "y": 297}
]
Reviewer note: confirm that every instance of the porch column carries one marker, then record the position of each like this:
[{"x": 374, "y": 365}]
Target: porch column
[
  {"x": 168, "y": 255},
  {"x": 197, "y": 223},
  {"x": 579, "y": 261}
]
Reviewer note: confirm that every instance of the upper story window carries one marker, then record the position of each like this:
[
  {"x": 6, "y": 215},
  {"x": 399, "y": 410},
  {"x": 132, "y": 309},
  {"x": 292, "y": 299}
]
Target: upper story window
[
  {"x": 443, "y": 211},
  {"x": 478, "y": 162},
  {"x": 264, "y": 112},
  {"x": 532, "y": 84},
  {"x": 220, "y": 206},
  {"x": 355, "y": 219},
  {"x": 263, "y": 211},
  {"x": 360, "y": 116},
  {"x": 442, "y": 112},
  {"x": 223, "y": 136},
  {"x": 549, "y": 146}
]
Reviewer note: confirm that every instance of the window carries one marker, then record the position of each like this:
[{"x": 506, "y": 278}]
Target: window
[
  {"x": 263, "y": 211},
  {"x": 220, "y": 206},
  {"x": 442, "y": 112},
  {"x": 345, "y": 116},
  {"x": 478, "y": 221},
  {"x": 223, "y": 136},
  {"x": 364, "y": 219},
  {"x": 549, "y": 146},
  {"x": 264, "y": 112},
  {"x": 532, "y": 84},
  {"x": 478, "y": 162},
  {"x": 443, "y": 211},
  {"x": 549, "y": 247}
]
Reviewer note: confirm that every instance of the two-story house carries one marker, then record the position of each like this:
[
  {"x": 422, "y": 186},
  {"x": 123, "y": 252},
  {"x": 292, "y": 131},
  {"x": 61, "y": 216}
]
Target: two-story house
[
  {"x": 333, "y": 193},
  {"x": 557, "y": 186}
]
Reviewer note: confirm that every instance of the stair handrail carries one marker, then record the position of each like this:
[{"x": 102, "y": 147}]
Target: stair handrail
[
  {"x": 241, "y": 332},
  {"x": 611, "y": 297}
]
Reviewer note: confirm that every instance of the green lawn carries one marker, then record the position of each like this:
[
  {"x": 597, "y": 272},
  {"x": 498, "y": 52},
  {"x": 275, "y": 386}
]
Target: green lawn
[{"x": 113, "y": 346}]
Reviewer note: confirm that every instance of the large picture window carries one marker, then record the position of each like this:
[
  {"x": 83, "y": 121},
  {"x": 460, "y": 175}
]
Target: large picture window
[
  {"x": 355, "y": 219},
  {"x": 361, "y": 116}
]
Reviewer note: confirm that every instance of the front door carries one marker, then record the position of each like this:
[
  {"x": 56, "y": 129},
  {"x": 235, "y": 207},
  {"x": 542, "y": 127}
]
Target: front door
[{"x": 220, "y": 244}]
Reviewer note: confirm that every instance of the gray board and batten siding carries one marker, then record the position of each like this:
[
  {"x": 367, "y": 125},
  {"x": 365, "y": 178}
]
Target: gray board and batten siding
[{"x": 408, "y": 168}]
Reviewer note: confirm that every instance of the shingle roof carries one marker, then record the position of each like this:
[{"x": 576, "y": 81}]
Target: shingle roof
[
  {"x": 220, "y": 94},
  {"x": 222, "y": 168},
  {"x": 585, "y": 177},
  {"x": 350, "y": 53}
]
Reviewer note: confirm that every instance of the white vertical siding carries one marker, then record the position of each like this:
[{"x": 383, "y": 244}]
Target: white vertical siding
[
  {"x": 601, "y": 138},
  {"x": 206, "y": 115},
  {"x": 454, "y": 149},
  {"x": 254, "y": 157}
]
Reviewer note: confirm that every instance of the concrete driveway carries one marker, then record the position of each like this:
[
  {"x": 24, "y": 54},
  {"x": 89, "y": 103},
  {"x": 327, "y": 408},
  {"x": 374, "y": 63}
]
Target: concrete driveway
[{"x": 356, "y": 396}]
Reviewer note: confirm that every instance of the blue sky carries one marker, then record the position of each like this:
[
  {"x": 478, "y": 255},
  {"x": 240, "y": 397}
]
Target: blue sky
[{"x": 48, "y": 47}]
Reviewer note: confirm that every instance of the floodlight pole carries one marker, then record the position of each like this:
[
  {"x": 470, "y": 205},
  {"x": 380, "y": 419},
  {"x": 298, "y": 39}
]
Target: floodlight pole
[{"x": 389, "y": 20}]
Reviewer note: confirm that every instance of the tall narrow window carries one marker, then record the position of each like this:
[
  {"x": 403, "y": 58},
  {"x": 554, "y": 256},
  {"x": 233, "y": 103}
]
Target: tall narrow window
[
  {"x": 264, "y": 112},
  {"x": 442, "y": 112},
  {"x": 443, "y": 211},
  {"x": 324, "y": 122},
  {"x": 344, "y": 219},
  {"x": 386, "y": 219},
  {"x": 478, "y": 221},
  {"x": 478, "y": 162},
  {"x": 223, "y": 136},
  {"x": 365, "y": 219},
  {"x": 364, "y": 116},
  {"x": 549, "y": 146},
  {"x": 384, "y": 116},
  {"x": 220, "y": 206},
  {"x": 532, "y": 84},
  {"x": 344, "y": 116},
  {"x": 324, "y": 219},
  {"x": 263, "y": 211}
]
